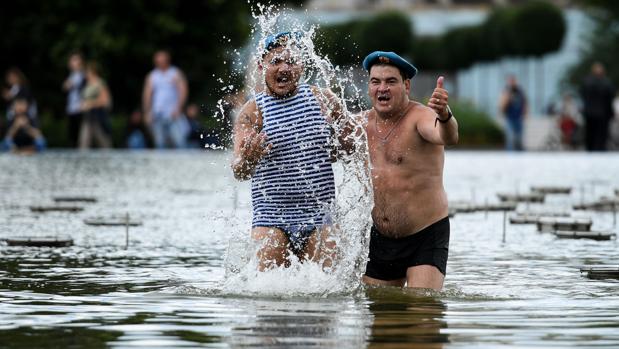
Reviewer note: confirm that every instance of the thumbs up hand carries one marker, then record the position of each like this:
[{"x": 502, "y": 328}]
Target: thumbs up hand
[{"x": 438, "y": 100}]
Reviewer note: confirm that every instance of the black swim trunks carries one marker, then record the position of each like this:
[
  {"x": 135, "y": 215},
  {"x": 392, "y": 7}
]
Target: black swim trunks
[{"x": 390, "y": 258}]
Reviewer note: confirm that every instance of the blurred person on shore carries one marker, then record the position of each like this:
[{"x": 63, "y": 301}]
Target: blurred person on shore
[
  {"x": 513, "y": 106},
  {"x": 597, "y": 92},
  {"x": 18, "y": 87},
  {"x": 195, "y": 137},
  {"x": 569, "y": 121},
  {"x": 73, "y": 86},
  {"x": 138, "y": 134},
  {"x": 614, "y": 125},
  {"x": 96, "y": 105},
  {"x": 23, "y": 135},
  {"x": 163, "y": 98}
]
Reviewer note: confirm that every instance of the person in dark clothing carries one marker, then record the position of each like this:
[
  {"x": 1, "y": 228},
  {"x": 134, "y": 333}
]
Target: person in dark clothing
[
  {"x": 597, "y": 93},
  {"x": 195, "y": 136},
  {"x": 138, "y": 134},
  {"x": 18, "y": 89},
  {"x": 23, "y": 136},
  {"x": 514, "y": 106},
  {"x": 73, "y": 86}
]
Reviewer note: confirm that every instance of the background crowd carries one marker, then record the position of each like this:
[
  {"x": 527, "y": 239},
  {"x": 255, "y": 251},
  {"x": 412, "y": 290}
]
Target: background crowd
[
  {"x": 114, "y": 99},
  {"x": 164, "y": 119}
]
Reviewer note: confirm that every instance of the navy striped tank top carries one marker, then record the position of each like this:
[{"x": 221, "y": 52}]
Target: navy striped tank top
[{"x": 294, "y": 183}]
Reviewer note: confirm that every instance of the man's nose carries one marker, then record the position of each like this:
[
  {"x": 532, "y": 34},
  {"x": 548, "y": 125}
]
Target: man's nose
[
  {"x": 383, "y": 87},
  {"x": 285, "y": 66}
]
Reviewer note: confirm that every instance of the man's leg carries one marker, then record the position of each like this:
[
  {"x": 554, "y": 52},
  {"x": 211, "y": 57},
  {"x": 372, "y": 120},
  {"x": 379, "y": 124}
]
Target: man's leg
[
  {"x": 589, "y": 135},
  {"x": 178, "y": 132},
  {"x": 273, "y": 250},
  {"x": 321, "y": 248},
  {"x": 377, "y": 282},
  {"x": 509, "y": 136},
  {"x": 75, "y": 123},
  {"x": 85, "y": 134},
  {"x": 424, "y": 276},
  {"x": 158, "y": 133}
]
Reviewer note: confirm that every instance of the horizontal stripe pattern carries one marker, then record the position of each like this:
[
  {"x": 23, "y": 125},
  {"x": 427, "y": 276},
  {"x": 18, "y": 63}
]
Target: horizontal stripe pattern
[{"x": 294, "y": 183}]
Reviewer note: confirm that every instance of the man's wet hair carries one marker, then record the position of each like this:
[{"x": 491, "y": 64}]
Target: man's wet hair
[{"x": 281, "y": 40}]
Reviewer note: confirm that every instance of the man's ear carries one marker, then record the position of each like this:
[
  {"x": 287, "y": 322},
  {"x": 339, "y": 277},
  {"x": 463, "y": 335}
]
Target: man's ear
[
  {"x": 259, "y": 64},
  {"x": 407, "y": 85}
]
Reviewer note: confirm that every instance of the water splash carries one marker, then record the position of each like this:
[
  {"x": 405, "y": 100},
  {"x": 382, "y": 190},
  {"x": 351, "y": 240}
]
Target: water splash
[{"x": 350, "y": 213}]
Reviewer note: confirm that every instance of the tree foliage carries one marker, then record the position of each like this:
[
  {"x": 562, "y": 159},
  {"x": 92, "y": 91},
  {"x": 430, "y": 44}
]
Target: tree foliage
[
  {"x": 38, "y": 35},
  {"x": 531, "y": 29},
  {"x": 346, "y": 42},
  {"x": 603, "y": 42}
]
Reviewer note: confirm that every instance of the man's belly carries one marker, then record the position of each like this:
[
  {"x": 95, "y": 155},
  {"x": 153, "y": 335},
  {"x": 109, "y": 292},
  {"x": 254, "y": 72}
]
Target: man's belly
[{"x": 404, "y": 209}]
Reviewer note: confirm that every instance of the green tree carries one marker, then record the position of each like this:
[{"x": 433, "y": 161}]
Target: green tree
[
  {"x": 38, "y": 35},
  {"x": 531, "y": 29},
  {"x": 602, "y": 42}
]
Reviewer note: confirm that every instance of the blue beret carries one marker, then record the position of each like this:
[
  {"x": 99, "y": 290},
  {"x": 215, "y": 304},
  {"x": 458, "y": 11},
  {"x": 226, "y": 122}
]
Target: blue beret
[
  {"x": 391, "y": 58},
  {"x": 280, "y": 39}
]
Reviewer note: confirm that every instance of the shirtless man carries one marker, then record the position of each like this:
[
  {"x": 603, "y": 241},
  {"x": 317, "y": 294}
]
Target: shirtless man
[
  {"x": 282, "y": 142},
  {"x": 410, "y": 236}
]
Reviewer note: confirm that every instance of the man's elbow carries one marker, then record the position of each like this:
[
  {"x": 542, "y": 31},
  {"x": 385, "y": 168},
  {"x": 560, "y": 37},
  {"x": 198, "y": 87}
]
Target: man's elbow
[{"x": 453, "y": 139}]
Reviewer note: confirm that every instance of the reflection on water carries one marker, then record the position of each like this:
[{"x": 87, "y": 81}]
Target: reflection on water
[
  {"x": 165, "y": 289},
  {"x": 406, "y": 319}
]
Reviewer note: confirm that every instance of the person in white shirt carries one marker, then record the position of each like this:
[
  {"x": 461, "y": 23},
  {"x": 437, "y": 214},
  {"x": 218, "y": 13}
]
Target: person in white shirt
[
  {"x": 73, "y": 86},
  {"x": 163, "y": 99}
]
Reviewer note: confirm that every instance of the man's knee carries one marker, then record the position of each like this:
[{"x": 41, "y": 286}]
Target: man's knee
[{"x": 424, "y": 276}]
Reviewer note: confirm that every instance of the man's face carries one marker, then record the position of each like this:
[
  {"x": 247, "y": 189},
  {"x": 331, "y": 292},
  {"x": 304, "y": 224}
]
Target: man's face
[
  {"x": 162, "y": 60},
  {"x": 511, "y": 81},
  {"x": 386, "y": 89},
  {"x": 282, "y": 70},
  {"x": 20, "y": 106},
  {"x": 76, "y": 63}
]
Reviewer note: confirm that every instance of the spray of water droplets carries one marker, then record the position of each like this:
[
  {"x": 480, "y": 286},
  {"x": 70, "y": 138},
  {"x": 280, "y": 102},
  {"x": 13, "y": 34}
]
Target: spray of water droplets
[{"x": 350, "y": 213}]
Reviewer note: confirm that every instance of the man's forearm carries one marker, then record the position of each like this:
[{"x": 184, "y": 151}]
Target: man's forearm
[{"x": 449, "y": 131}]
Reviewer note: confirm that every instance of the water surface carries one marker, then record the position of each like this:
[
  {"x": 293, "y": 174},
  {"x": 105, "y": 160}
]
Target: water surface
[{"x": 165, "y": 289}]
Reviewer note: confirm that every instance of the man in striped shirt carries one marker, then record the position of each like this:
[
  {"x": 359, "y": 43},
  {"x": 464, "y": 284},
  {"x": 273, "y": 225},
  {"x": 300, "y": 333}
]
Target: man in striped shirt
[{"x": 283, "y": 143}]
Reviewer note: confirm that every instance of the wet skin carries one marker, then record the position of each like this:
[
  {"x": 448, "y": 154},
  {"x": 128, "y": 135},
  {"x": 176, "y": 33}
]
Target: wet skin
[{"x": 407, "y": 156}]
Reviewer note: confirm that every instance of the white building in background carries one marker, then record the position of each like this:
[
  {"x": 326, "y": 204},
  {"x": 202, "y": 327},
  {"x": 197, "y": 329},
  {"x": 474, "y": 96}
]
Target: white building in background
[{"x": 482, "y": 83}]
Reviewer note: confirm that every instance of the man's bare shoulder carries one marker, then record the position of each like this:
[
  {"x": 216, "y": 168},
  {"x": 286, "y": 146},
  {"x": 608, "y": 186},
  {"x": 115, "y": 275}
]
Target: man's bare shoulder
[
  {"x": 249, "y": 113},
  {"x": 421, "y": 111}
]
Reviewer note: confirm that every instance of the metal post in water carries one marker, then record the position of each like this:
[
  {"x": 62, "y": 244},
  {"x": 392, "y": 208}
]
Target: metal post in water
[
  {"x": 127, "y": 231},
  {"x": 486, "y": 208},
  {"x": 504, "y": 224},
  {"x": 527, "y": 204},
  {"x": 582, "y": 194}
]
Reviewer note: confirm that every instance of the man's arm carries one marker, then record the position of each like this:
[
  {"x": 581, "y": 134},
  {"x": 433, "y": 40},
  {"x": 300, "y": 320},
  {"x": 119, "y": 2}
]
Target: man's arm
[
  {"x": 436, "y": 132},
  {"x": 147, "y": 93},
  {"x": 344, "y": 124},
  {"x": 503, "y": 101},
  {"x": 436, "y": 125},
  {"x": 67, "y": 84},
  {"x": 249, "y": 143},
  {"x": 183, "y": 92}
]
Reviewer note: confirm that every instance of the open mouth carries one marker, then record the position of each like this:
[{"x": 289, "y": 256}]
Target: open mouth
[
  {"x": 383, "y": 98},
  {"x": 282, "y": 79}
]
